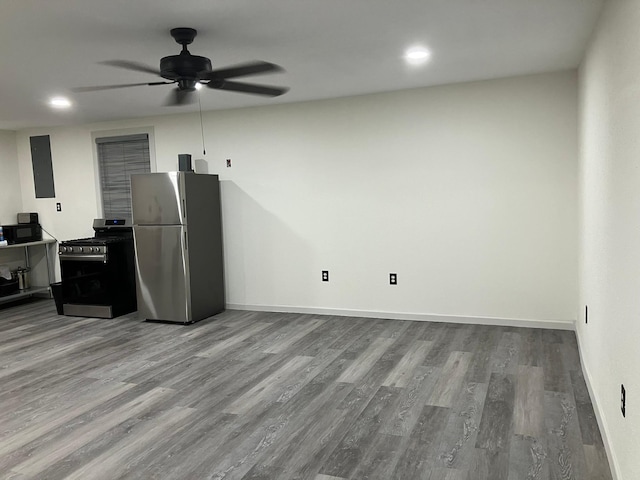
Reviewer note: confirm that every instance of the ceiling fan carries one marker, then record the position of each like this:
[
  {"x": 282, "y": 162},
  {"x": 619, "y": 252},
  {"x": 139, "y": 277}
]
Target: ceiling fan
[{"x": 187, "y": 70}]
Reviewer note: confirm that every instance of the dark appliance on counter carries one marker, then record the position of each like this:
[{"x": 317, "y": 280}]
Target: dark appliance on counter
[
  {"x": 98, "y": 273},
  {"x": 184, "y": 163},
  {"x": 8, "y": 287},
  {"x": 22, "y": 233},
  {"x": 27, "y": 217}
]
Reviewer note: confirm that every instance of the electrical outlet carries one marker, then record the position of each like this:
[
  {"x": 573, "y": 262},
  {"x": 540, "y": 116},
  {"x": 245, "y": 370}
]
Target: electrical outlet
[
  {"x": 393, "y": 279},
  {"x": 58, "y": 207},
  {"x": 228, "y": 162},
  {"x": 623, "y": 401},
  {"x": 586, "y": 314},
  {"x": 325, "y": 275}
]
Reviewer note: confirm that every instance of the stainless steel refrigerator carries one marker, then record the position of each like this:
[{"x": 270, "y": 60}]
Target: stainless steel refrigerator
[{"x": 178, "y": 242}]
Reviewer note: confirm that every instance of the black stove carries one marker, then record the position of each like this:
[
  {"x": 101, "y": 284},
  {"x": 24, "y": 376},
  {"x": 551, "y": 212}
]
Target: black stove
[{"x": 98, "y": 273}]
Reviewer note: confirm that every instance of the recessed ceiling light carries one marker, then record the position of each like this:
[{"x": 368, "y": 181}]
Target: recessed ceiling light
[
  {"x": 417, "y": 55},
  {"x": 60, "y": 102}
]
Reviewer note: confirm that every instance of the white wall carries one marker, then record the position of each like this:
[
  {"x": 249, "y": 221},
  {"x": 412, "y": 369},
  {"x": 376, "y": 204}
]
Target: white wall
[
  {"x": 10, "y": 195},
  {"x": 467, "y": 192},
  {"x": 610, "y": 225},
  {"x": 73, "y": 175}
]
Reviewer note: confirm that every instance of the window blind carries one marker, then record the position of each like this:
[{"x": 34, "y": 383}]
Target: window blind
[{"x": 119, "y": 158}]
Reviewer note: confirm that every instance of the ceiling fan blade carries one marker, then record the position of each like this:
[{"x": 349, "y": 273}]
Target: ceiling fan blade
[
  {"x": 247, "y": 88},
  {"x": 179, "y": 97},
  {"x": 244, "y": 69},
  {"x": 111, "y": 87},
  {"x": 126, "y": 64}
]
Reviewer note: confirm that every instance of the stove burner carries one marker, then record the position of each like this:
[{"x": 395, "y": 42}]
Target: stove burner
[
  {"x": 109, "y": 233},
  {"x": 95, "y": 241}
]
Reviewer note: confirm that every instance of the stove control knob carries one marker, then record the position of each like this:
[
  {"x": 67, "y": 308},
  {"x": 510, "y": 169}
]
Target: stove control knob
[
  {"x": 80, "y": 249},
  {"x": 63, "y": 249},
  {"x": 94, "y": 249}
]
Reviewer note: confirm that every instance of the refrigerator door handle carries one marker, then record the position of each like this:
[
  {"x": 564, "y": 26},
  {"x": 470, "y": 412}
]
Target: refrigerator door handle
[
  {"x": 184, "y": 208},
  {"x": 185, "y": 241}
]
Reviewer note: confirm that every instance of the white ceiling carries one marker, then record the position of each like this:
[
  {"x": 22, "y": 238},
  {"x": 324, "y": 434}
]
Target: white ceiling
[{"x": 329, "y": 48}]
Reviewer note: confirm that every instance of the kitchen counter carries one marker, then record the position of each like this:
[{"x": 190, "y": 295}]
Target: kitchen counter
[{"x": 42, "y": 270}]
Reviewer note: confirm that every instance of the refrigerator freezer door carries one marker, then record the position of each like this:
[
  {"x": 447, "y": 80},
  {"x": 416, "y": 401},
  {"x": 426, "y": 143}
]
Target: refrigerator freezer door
[
  {"x": 163, "y": 277},
  {"x": 158, "y": 199}
]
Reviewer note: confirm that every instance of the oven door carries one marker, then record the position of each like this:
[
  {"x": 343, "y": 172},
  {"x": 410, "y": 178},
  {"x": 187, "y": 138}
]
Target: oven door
[{"x": 86, "y": 286}]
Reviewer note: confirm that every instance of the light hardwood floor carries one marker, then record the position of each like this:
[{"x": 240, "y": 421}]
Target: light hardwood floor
[{"x": 251, "y": 395}]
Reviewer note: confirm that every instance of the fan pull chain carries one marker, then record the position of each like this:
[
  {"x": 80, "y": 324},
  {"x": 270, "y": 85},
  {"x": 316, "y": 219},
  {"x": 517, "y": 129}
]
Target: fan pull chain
[{"x": 204, "y": 152}]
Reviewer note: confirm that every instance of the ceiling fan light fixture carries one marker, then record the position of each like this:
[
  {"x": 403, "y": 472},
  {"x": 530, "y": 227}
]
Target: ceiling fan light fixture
[{"x": 60, "y": 102}]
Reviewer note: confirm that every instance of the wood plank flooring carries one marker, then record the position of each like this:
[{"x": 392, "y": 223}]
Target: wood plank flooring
[{"x": 265, "y": 396}]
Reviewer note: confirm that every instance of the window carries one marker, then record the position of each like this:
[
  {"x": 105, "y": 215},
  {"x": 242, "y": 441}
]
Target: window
[{"x": 118, "y": 158}]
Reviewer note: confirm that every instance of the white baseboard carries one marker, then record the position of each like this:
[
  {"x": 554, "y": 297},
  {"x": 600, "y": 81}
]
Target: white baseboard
[
  {"x": 602, "y": 424},
  {"x": 420, "y": 317}
]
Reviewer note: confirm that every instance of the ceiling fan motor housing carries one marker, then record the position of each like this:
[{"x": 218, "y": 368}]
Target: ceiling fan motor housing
[
  {"x": 185, "y": 68},
  {"x": 177, "y": 67}
]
